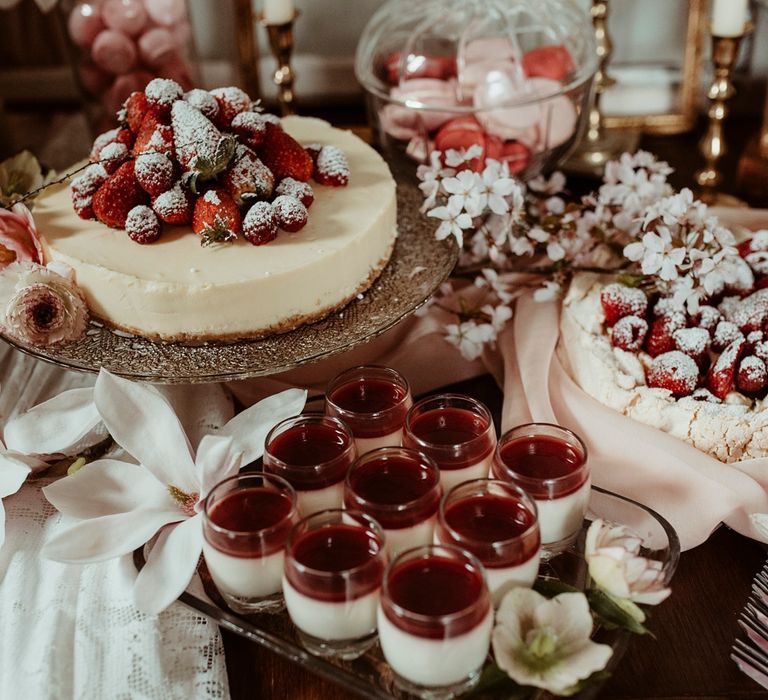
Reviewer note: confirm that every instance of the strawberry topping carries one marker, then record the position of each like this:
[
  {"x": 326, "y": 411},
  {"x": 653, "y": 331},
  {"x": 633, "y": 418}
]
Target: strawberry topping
[
  {"x": 660, "y": 339},
  {"x": 250, "y": 127},
  {"x": 260, "y": 224},
  {"x": 161, "y": 93},
  {"x": 628, "y": 333},
  {"x": 232, "y": 101},
  {"x": 694, "y": 342},
  {"x": 134, "y": 109},
  {"x": 204, "y": 101},
  {"x": 619, "y": 300},
  {"x": 674, "y": 371},
  {"x": 118, "y": 195},
  {"x": 142, "y": 225},
  {"x": 725, "y": 334},
  {"x": 295, "y": 188},
  {"x": 285, "y": 156},
  {"x": 154, "y": 171},
  {"x": 290, "y": 213},
  {"x": 331, "y": 168},
  {"x": 216, "y": 218},
  {"x": 721, "y": 375},
  {"x": 174, "y": 206},
  {"x": 752, "y": 376}
]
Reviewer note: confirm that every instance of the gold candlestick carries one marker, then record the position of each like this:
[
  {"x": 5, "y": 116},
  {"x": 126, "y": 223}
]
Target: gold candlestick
[
  {"x": 599, "y": 144},
  {"x": 281, "y": 44},
  {"x": 725, "y": 51}
]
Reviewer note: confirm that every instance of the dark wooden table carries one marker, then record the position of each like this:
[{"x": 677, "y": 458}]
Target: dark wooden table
[{"x": 694, "y": 628}]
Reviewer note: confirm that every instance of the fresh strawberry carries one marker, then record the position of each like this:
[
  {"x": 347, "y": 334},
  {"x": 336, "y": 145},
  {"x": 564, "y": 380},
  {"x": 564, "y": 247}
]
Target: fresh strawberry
[
  {"x": 112, "y": 155},
  {"x": 751, "y": 313},
  {"x": 248, "y": 178},
  {"x": 174, "y": 206},
  {"x": 745, "y": 248},
  {"x": 204, "y": 101},
  {"x": 118, "y": 195},
  {"x": 660, "y": 339},
  {"x": 331, "y": 168},
  {"x": 232, "y": 101},
  {"x": 134, "y": 109},
  {"x": 295, "y": 188},
  {"x": 722, "y": 374},
  {"x": 123, "y": 136},
  {"x": 290, "y": 214},
  {"x": 761, "y": 351},
  {"x": 153, "y": 137},
  {"x": 161, "y": 93},
  {"x": 285, "y": 156},
  {"x": 313, "y": 150},
  {"x": 216, "y": 218},
  {"x": 250, "y": 127},
  {"x": 628, "y": 333},
  {"x": 553, "y": 62},
  {"x": 618, "y": 301},
  {"x": 142, "y": 225},
  {"x": 694, "y": 342},
  {"x": 707, "y": 318},
  {"x": 674, "y": 371},
  {"x": 758, "y": 262},
  {"x": 154, "y": 171},
  {"x": 202, "y": 150},
  {"x": 752, "y": 377},
  {"x": 725, "y": 334},
  {"x": 84, "y": 187},
  {"x": 260, "y": 224}
]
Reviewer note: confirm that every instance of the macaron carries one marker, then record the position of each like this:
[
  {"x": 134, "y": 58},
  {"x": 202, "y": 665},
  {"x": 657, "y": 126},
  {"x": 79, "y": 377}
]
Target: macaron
[
  {"x": 553, "y": 62},
  {"x": 166, "y": 12},
  {"x": 433, "y": 94},
  {"x": 114, "y": 52},
  {"x": 84, "y": 24},
  {"x": 126, "y": 16},
  {"x": 499, "y": 89}
]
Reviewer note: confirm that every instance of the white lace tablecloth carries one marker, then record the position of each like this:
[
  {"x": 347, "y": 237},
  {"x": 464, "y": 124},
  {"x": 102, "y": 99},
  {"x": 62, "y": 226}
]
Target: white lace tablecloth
[{"x": 72, "y": 631}]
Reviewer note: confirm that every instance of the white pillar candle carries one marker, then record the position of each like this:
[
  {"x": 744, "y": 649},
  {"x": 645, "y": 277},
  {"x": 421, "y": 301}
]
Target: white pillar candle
[
  {"x": 729, "y": 17},
  {"x": 278, "y": 11}
]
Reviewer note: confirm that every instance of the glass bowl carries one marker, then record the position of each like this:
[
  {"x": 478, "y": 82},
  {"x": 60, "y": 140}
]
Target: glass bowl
[{"x": 513, "y": 77}]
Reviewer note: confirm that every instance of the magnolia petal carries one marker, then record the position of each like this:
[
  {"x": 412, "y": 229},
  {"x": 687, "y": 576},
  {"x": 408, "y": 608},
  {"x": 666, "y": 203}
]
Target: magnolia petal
[
  {"x": 249, "y": 429},
  {"x": 110, "y": 536},
  {"x": 108, "y": 487},
  {"x": 66, "y": 424},
  {"x": 608, "y": 573},
  {"x": 515, "y": 613},
  {"x": 2, "y": 523},
  {"x": 170, "y": 566},
  {"x": 568, "y": 615},
  {"x": 216, "y": 460},
  {"x": 652, "y": 597},
  {"x": 141, "y": 420},
  {"x": 12, "y": 474},
  {"x": 580, "y": 663}
]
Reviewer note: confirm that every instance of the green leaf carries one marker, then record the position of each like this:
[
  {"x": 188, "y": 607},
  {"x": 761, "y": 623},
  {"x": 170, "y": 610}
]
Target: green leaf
[
  {"x": 493, "y": 681},
  {"x": 612, "y": 615},
  {"x": 550, "y": 587},
  {"x": 596, "y": 677}
]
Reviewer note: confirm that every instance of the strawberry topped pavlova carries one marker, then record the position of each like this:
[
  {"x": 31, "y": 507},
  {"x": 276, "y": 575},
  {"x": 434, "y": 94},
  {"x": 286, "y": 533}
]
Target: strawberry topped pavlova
[{"x": 207, "y": 179}]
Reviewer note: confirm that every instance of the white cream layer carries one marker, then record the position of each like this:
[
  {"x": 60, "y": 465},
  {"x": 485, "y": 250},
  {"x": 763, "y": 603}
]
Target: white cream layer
[
  {"x": 561, "y": 517},
  {"x": 434, "y": 662},
  {"x": 246, "y": 577},
  {"x": 331, "y": 621},
  {"x": 309, "y": 502},
  {"x": 406, "y": 537},
  {"x": 393, "y": 439},
  {"x": 451, "y": 477},
  {"x": 175, "y": 288}
]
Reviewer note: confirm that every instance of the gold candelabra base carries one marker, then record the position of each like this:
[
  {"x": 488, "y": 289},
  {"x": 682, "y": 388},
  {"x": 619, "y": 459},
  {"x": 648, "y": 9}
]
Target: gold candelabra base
[
  {"x": 725, "y": 51},
  {"x": 281, "y": 44}
]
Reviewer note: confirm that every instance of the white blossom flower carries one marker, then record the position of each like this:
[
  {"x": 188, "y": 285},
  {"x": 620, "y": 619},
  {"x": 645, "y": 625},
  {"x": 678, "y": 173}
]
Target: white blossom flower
[
  {"x": 497, "y": 315},
  {"x": 548, "y": 291},
  {"x": 521, "y": 245},
  {"x": 553, "y": 185},
  {"x": 121, "y": 505},
  {"x": 470, "y": 337},
  {"x": 490, "y": 278},
  {"x": 431, "y": 177},
  {"x": 454, "y": 221},
  {"x": 657, "y": 254},
  {"x": 465, "y": 189},
  {"x": 546, "y": 643},
  {"x": 615, "y": 565},
  {"x": 456, "y": 159},
  {"x": 495, "y": 186}
]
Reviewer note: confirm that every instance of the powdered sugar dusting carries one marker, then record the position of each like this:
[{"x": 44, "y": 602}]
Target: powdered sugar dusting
[
  {"x": 725, "y": 334},
  {"x": 751, "y": 313},
  {"x": 234, "y": 97},
  {"x": 675, "y": 371},
  {"x": 142, "y": 225},
  {"x": 618, "y": 300},
  {"x": 204, "y": 101},
  {"x": 102, "y": 140},
  {"x": 692, "y": 341},
  {"x": 154, "y": 171},
  {"x": 295, "y": 188},
  {"x": 163, "y": 91},
  {"x": 172, "y": 203},
  {"x": 212, "y": 197},
  {"x": 629, "y": 333},
  {"x": 332, "y": 165},
  {"x": 290, "y": 212}
]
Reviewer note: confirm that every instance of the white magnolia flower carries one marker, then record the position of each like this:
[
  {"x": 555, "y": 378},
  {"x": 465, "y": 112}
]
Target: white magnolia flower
[
  {"x": 455, "y": 220},
  {"x": 470, "y": 337},
  {"x": 465, "y": 188},
  {"x": 14, "y": 469},
  {"x": 548, "y": 291},
  {"x": 615, "y": 565},
  {"x": 546, "y": 643},
  {"x": 121, "y": 505}
]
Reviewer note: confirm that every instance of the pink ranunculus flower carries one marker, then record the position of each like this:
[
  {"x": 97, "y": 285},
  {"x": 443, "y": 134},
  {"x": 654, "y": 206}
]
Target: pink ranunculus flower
[{"x": 19, "y": 240}]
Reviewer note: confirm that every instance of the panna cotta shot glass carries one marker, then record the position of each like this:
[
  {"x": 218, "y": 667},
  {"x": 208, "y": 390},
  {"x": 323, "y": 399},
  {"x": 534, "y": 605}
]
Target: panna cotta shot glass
[
  {"x": 435, "y": 620},
  {"x": 498, "y": 523},
  {"x": 246, "y": 521},
  {"x": 372, "y": 400},
  {"x": 400, "y": 489},
  {"x": 334, "y": 563},
  {"x": 456, "y": 432},
  {"x": 550, "y": 463},
  {"x": 312, "y": 452}
]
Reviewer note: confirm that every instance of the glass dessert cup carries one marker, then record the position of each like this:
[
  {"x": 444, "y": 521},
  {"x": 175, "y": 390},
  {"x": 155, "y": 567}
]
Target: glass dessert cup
[
  {"x": 498, "y": 523},
  {"x": 334, "y": 564},
  {"x": 312, "y": 452},
  {"x": 246, "y": 521},
  {"x": 513, "y": 77},
  {"x": 435, "y": 619},
  {"x": 457, "y": 432},
  {"x": 372, "y": 401},
  {"x": 550, "y": 463},
  {"x": 400, "y": 489}
]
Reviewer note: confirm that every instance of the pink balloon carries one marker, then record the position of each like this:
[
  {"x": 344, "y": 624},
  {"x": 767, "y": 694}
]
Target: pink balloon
[
  {"x": 127, "y": 16},
  {"x": 114, "y": 52},
  {"x": 84, "y": 24},
  {"x": 166, "y": 12},
  {"x": 92, "y": 78},
  {"x": 156, "y": 46}
]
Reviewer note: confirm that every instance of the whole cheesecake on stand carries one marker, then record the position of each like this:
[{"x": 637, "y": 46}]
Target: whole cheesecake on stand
[{"x": 175, "y": 289}]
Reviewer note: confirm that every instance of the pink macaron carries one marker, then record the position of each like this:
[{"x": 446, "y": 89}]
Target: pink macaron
[
  {"x": 156, "y": 46},
  {"x": 114, "y": 52},
  {"x": 432, "y": 93},
  {"x": 127, "y": 16},
  {"x": 84, "y": 24}
]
